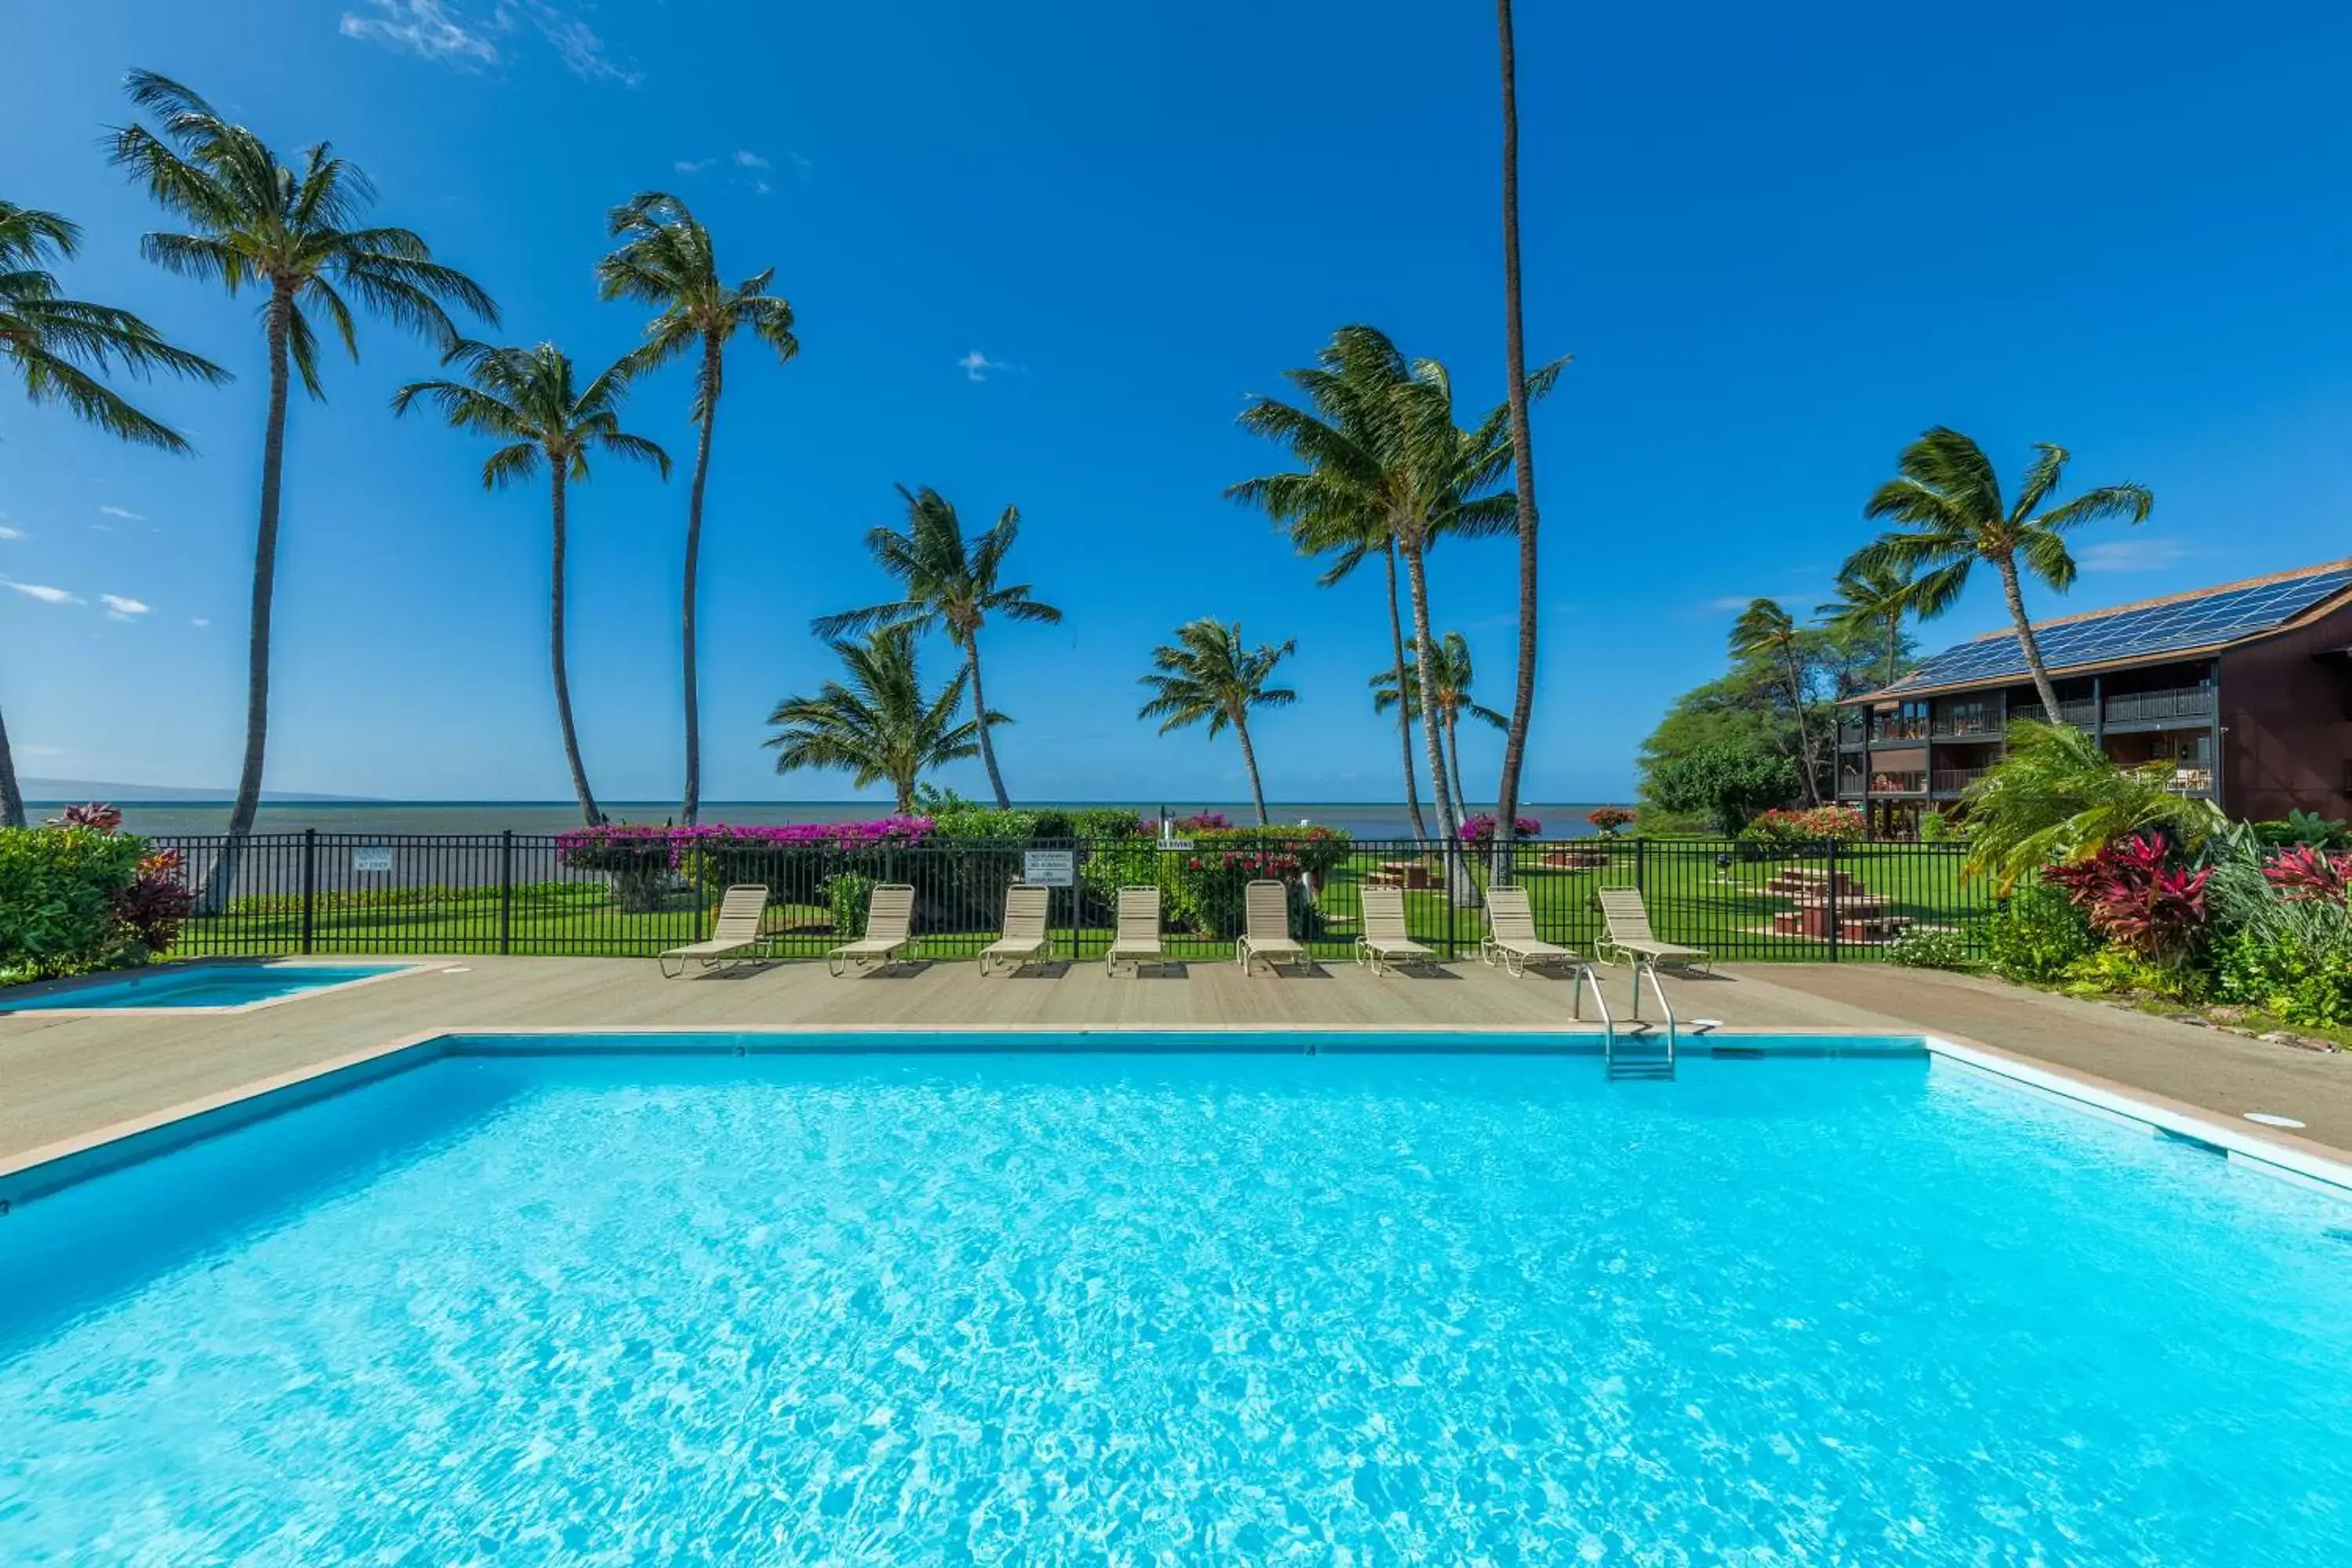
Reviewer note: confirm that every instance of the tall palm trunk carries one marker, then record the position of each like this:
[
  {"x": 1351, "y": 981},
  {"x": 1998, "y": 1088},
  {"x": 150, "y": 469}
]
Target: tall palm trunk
[
  {"x": 12, "y": 804},
  {"x": 980, "y": 717},
  {"x": 1454, "y": 754},
  {"x": 1459, "y": 887},
  {"x": 1804, "y": 730},
  {"x": 1404, "y": 711},
  {"x": 588, "y": 811},
  {"x": 691, "y": 802},
  {"x": 1523, "y": 460},
  {"x": 1249, "y": 761},
  {"x": 222, "y": 884},
  {"x": 2010, "y": 591}
]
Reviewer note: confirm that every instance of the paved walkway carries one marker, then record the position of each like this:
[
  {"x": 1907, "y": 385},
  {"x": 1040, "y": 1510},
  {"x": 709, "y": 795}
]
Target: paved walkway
[{"x": 65, "y": 1077}]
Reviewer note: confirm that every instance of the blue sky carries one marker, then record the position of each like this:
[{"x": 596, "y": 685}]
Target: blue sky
[{"x": 1044, "y": 264}]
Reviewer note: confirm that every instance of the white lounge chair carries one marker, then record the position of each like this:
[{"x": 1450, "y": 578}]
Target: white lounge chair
[
  {"x": 1630, "y": 938},
  {"x": 889, "y": 931},
  {"x": 1511, "y": 941},
  {"x": 1025, "y": 940},
  {"x": 1137, "y": 936},
  {"x": 1265, "y": 936},
  {"x": 1385, "y": 943},
  {"x": 734, "y": 936}
]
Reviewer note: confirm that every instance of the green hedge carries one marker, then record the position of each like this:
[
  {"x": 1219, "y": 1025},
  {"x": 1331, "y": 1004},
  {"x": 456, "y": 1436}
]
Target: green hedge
[{"x": 61, "y": 888}]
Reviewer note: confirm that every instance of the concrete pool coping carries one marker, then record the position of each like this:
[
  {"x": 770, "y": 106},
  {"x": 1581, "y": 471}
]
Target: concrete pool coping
[
  {"x": 112, "y": 979},
  {"x": 39, "y": 1172}
]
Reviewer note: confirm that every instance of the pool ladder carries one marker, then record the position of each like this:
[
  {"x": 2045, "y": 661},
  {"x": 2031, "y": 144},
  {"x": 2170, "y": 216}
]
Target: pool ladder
[{"x": 1639, "y": 1056}]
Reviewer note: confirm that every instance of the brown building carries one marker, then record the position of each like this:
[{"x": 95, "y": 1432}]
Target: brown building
[{"x": 2246, "y": 690}]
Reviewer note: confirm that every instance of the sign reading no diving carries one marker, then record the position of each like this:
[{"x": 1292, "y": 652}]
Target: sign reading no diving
[
  {"x": 1049, "y": 867},
  {"x": 371, "y": 857}
]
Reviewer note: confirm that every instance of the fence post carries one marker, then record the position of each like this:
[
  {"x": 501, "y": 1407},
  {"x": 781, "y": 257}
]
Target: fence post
[
  {"x": 1641, "y": 855},
  {"x": 1835, "y": 929},
  {"x": 506, "y": 891},
  {"x": 309, "y": 888},
  {"x": 1455, "y": 873}
]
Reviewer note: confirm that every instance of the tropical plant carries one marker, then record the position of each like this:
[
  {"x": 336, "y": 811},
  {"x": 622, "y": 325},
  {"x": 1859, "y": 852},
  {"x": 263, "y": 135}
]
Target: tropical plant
[
  {"x": 665, "y": 259},
  {"x": 950, "y": 584},
  {"x": 2056, "y": 797},
  {"x": 1207, "y": 673},
  {"x": 1729, "y": 785},
  {"x": 1815, "y": 824},
  {"x": 1766, "y": 632},
  {"x": 60, "y": 348},
  {"x": 60, "y": 890},
  {"x": 1451, "y": 681},
  {"x": 2137, "y": 895},
  {"x": 1933, "y": 947},
  {"x": 296, "y": 235},
  {"x": 1947, "y": 503},
  {"x": 2039, "y": 934},
  {"x": 879, "y": 726},
  {"x": 1608, "y": 821},
  {"x": 528, "y": 399},
  {"x": 1875, "y": 597},
  {"x": 1479, "y": 827},
  {"x": 1382, "y": 460}
]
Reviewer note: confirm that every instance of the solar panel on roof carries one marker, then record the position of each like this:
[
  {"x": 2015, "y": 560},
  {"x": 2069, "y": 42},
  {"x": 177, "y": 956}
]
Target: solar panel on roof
[{"x": 2200, "y": 621}]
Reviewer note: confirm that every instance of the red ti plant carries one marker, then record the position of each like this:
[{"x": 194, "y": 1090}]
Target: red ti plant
[
  {"x": 2307, "y": 872},
  {"x": 1610, "y": 820},
  {"x": 156, "y": 903},
  {"x": 97, "y": 813},
  {"x": 2136, "y": 900}
]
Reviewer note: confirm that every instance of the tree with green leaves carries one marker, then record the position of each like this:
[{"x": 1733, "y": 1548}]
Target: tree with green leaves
[
  {"x": 529, "y": 400},
  {"x": 60, "y": 348},
  {"x": 947, "y": 582},
  {"x": 1209, "y": 673},
  {"x": 878, "y": 725},
  {"x": 2056, "y": 796},
  {"x": 1876, "y": 598},
  {"x": 665, "y": 259},
  {"x": 295, "y": 235},
  {"x": 1451, "y": 681},
  {"x": 1946, "y": 503},
  {"x": 1382, "y": 456},
  {"x": 1729, "y": 785},
  {"x": 1765, "y": 631}
]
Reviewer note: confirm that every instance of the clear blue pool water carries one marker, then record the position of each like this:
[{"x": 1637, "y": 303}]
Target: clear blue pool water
[
  {"x": 200, "y": 985},
  {"x": 1187, "y": 1309}
]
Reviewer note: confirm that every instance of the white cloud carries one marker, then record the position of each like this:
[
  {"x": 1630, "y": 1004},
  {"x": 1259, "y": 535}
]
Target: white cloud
[
  {"x": 1731, "y": 601},
  {"x": 761, "y": 187},
  {"x": 425, "y": 28},
  {"x": 120, "y": 608},
  {"x": 977, "y": 365},
  {"x": 444, "y": 31},
  {"x": 123, "y": 511},
  {"x": 43, "y": 592},
  {"x": 693, "y": 166},
  {"x": 7, "y": 532},
  {"x": 198, "y": 622},
  {"x": 2136, "y": 554},
  {"x": 576, "y": 45},
  {"x": 750, "y": 160},
  {"x": 807, "y": 170}
]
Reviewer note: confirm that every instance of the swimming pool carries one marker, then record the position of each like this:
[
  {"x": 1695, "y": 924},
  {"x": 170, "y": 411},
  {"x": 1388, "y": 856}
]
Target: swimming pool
[
  {"x": 194, "y": 986},
  {"x": 597, "y": 1304}
]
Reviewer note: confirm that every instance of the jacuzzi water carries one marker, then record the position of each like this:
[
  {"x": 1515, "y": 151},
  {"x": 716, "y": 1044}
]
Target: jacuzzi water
[
  {"x": 1182, "y": 1308},
  {"x": 199, "y": 985}
]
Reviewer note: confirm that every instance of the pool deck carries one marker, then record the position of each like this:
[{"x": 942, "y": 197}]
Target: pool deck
[{"x": 64, "y": 1077}]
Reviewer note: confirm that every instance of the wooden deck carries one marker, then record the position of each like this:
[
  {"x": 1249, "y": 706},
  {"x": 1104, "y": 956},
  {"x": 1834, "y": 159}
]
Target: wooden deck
[{"x": 64, "y": 1077}]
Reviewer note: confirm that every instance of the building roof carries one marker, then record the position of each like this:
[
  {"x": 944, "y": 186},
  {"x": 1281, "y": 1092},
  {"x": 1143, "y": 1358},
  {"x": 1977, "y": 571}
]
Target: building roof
[{"x": 2203, "y": 621}]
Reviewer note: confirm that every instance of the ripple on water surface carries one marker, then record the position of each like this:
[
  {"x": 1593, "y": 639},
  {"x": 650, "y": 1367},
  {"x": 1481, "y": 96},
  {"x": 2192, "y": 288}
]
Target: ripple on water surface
[{"x": 1196, "y": 1310}]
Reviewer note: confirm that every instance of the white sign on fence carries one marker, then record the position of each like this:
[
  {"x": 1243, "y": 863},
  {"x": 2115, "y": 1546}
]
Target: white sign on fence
[
  {"x": 371, "y": 857},
  {"x": 1049, "y": 867}
]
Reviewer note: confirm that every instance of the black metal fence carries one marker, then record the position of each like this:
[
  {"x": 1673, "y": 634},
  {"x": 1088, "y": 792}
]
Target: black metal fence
[{"x": 315, "y": 892}]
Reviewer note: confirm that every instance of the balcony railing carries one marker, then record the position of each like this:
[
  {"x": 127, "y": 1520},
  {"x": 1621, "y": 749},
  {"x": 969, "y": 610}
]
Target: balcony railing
[
  {"x": 2081, "y": 713},
  {"x": 1851, "y": 784},
  {"x": 1849, "y": 732},
  {"x": 2160, "y": 707},
  {"x": 1893, "y": 729},
  {"x": 1952, "y": 780},
  {"x": 1964, "y": 726},
  {"x": 2191, "y": 781},
  {"x": 1909, "y": 781}
]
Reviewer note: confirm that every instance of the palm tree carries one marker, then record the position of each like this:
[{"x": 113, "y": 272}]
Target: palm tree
[
  {"x": 526, "y": 398},
  {"x": 1523, "y": 458},
  {"x": 1207, "y": 673},
  {"x": 1875, "y": 598},
  {"x": 1382, "y": 455},
  {"x": 1766, "y": 631},
  {"x": 881, "y": 725},
  {"x": 1452, "y": 676},
  {"x": 948, "y": 581},
  {"x": 293, "y": 235},
  {"x": 2056, "y": 795},
  {"x": 1948, "y": 497},
  {"x": 665, "y": 259},
  {"x": 57, "y": 347}
]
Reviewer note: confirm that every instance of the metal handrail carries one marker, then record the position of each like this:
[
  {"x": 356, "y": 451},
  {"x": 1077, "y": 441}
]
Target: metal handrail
[
  {"x": 1657, "y": 988},
  {"x": 1585, "y": 976}
]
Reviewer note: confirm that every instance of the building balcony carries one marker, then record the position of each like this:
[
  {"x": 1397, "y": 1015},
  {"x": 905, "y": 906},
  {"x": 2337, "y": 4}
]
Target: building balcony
[
  {"x": 1913, "y": 782},
  {"x": 1883, "y": 729},
  {"x": 1850, "y": 733},
  {"x": 2163, "y": 707},
  {"x": 2191, "y": 781},
  {"x": 1952, "y": 780},
  {"x": 2079, "y": 711},
  {"x": 1975, "y": 728}
]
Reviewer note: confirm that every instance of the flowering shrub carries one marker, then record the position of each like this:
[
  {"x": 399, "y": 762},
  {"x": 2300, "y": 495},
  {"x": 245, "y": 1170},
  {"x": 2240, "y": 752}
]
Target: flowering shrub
[
  {"x": 1201, "y": 822},
  {"x": 1480, "y": 828},
  {"x": 97, "y": 814},
  {"x": 1811, "y": 825},
  {"x": 157, "y": 903},
  {"x": 2305, "y": 873},
  {"x": 793, "y": 861},
  {"x": 1212, "y": 882},
  {"x": 1608, "y": 821},
  {"x": 2134, "y": 899},
  {"x": 67, "y": 894}
]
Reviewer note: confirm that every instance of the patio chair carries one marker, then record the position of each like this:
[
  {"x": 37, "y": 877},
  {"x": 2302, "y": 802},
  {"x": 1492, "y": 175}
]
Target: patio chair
[
  {"x": 1628, "y": 936},
  {"x": 734, "y": 936},
  {"x": 1025, "y": 940},
  {"x": 1511, "y": 941},
  {"x": 889, "y": 931},
  {"x": 1137, "y": 936},
  {"x": 1385, "y": 943},
  {"x": 1265, "y": 917}
]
